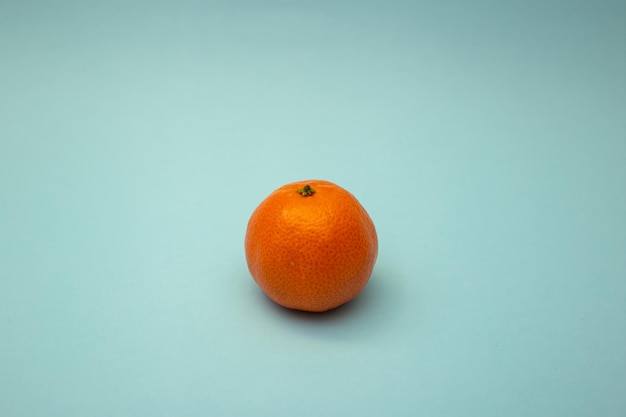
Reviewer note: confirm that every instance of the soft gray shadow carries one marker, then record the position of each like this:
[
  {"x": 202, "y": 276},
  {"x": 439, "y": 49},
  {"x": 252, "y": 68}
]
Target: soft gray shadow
[
  {"x": 367, "y": 315},
  {"x": 343, "y": 312}
]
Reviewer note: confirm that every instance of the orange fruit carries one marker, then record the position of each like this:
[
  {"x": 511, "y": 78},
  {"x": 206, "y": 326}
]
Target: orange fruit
[{"x": 311, "y": 246}]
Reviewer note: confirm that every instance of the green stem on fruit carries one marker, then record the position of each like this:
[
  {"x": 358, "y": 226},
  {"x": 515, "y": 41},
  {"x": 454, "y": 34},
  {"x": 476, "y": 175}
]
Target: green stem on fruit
[{"x": 306, "y": 191}]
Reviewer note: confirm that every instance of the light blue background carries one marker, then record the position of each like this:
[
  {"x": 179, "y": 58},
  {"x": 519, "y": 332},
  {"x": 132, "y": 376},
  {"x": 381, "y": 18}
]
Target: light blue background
[{"x": 487, "y": 140}]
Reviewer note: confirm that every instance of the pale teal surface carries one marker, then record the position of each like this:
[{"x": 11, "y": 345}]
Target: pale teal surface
[{"x": 486, "y": 139}]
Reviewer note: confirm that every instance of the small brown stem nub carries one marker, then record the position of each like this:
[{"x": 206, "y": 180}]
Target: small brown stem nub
[{"x": 306, "y": 191}]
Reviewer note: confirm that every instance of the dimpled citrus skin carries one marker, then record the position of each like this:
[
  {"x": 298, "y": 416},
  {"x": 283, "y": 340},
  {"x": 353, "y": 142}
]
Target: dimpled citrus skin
[{"x": 311, "y": 252}]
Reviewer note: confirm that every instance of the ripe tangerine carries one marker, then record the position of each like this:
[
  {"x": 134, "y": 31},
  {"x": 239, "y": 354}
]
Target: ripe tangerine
[{"x": 311, "y": 246}]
